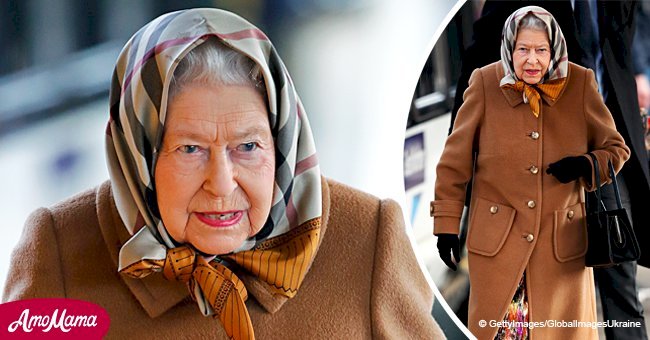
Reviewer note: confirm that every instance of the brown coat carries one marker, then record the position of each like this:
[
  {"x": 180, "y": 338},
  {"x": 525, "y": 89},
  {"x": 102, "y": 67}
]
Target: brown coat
[
  {"x": 522, "y": 218},
  {"x": 364, "y": 282}
]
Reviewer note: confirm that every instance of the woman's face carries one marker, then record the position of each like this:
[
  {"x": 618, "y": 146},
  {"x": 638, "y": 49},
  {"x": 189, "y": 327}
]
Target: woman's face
[
  {"x": 215, "y": 172},
  {"x": 532, "y": 55}
]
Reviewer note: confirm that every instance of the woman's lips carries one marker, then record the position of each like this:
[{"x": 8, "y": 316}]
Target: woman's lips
[
  {"x": 220, "y": 218},
  {"x": 532, "y": 72}
]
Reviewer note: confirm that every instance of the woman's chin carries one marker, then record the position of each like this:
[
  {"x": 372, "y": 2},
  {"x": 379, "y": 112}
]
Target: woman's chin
[
  {"x": 219, "y": 244},
  {"x": 216, "y": 249},
  {"x": 531, "y": 80}
]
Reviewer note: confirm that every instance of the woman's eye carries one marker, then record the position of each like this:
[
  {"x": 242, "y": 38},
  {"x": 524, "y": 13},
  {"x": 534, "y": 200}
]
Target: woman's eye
[
  {"x": 247, "y": 147},
  {"x": 189, "y": 148}
]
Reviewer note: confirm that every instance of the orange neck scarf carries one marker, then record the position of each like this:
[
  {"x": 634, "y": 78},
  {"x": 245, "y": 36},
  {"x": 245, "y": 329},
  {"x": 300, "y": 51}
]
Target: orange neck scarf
[
  {"x": 281, "y": 262},
  {"x": 552, "y": 89}
]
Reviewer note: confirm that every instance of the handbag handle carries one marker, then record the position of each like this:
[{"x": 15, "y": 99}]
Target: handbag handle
[
  {"x": 597, "y": 182},
  {"x": 612, "y": 175}
]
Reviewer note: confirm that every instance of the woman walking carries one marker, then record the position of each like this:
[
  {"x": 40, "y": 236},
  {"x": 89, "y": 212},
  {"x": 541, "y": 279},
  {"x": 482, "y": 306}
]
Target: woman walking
[{"x": 523, "y": 134}]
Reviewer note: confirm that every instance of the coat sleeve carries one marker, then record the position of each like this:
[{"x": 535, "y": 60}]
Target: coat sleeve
[
  {"x": 35, "y": 267},
  {"x": 401, "y": 300},
  {"x": 604, "y": 140},
  {"x": 454, "y": 169}
]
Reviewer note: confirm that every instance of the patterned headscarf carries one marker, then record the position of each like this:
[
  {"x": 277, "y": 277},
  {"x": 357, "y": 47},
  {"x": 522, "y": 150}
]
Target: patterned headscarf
[
  {"x": 138, "y": 104},
  {"x": 554, "y": 80}
]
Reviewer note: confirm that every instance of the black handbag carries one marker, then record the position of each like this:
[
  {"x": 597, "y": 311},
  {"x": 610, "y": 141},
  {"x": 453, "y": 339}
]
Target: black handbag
[{"x": 610, "y": 237}]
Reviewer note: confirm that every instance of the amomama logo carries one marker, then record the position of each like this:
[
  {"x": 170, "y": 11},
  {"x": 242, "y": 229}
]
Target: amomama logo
[{"x": 53, "y": 318}]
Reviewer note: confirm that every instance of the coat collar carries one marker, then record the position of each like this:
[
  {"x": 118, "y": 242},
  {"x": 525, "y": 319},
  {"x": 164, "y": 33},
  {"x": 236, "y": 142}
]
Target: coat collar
[
  {"x": 515, "y": 98},
  {"x": 157, "y": 295}
]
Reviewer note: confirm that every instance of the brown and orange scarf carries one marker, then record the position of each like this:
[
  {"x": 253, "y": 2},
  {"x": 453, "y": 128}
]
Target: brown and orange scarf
[
  {"x": 280, "y": 262},
  {"x": 532, "y": 93}
]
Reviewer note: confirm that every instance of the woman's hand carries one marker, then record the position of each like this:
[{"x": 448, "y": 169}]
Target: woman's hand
[
  {"x": 449, "y": 243},
  {"x": 571, "y": 168}
]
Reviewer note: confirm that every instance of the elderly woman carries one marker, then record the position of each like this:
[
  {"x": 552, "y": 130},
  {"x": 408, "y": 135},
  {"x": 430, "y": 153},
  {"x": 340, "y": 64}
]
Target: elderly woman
[
  {"x": 523, "y": 134},
  {"x": 216, "y": 201}
]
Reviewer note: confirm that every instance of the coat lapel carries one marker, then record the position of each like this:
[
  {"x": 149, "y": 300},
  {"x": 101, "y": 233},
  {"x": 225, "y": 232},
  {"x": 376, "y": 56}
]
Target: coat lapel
[
  {"x": 155, "y": 294},
  {"x": 513, "y": 97}
]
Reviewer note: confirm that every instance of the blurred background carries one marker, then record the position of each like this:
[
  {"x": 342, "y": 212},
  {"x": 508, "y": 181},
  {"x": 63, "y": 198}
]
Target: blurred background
[
  {"x": 427, "y": 129},
  {"x": 355, "y": 64}
]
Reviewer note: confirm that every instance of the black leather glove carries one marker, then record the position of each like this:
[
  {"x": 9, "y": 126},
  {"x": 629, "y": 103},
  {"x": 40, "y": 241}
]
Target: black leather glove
[
  {"x": 570, "y": 169},
  {"x": 448, "y": 243}
]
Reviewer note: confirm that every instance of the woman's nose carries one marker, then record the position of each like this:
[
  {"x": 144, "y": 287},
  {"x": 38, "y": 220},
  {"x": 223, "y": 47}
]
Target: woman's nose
[
  {"x": 532, "y": 58},
  {"x": 220, "y": 176}
]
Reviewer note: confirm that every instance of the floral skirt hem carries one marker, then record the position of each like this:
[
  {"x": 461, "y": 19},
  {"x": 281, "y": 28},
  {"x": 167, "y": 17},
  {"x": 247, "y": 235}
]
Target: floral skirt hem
[{"x": 516, "y": 315}]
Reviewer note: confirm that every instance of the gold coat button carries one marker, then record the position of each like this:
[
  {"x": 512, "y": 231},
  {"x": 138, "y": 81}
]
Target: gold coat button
[
  {"x": 534, "y": 135},
  {"x": 534, "y": 170},
  {"x": 530, "y": 238},
  {"x": 531, "y": 204},
  {"x": 570, "y": 214},
  {"x": 494, "y": 209}
]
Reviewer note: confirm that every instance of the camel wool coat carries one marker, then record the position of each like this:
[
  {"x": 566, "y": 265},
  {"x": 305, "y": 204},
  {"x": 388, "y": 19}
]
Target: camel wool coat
[
  {"x": 522, "y": 219},
  {"x": 364, "y": 282}
]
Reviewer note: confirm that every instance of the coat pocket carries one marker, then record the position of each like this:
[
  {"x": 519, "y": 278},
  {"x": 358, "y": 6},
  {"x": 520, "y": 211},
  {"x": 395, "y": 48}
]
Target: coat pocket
[
  {"x": 490, "y": 224},
  {"x": 570, "y": 233}
]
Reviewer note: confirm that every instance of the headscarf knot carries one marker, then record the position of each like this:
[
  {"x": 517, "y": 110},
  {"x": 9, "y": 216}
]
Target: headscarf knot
[
  {"x": 179, "y": 264},
  {"x": 280, "y": 262},
  {"x": 219, "y": 286},
  {"x": 551, "y": 89}
]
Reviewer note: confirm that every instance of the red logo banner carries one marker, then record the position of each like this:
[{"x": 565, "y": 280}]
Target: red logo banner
[{"x": 55, "y": 318}]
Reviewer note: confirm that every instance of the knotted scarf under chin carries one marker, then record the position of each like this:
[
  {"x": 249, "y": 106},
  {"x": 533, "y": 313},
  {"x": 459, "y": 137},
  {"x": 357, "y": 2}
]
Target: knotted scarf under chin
[
  {"x": 551, "y": 89},
  {"x": 281, "y": 262}
]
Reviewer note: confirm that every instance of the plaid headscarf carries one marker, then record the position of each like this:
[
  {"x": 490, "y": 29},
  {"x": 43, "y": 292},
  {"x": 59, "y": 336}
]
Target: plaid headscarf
[
  {"x": 554, "y": 80},
  {"x": 138, "y": 104}
]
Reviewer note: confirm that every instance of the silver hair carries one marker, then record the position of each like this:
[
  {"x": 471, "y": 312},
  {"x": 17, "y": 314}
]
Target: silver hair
[
  {"x": 212, "y": 62},
  {"x": 530, "y": 21}
]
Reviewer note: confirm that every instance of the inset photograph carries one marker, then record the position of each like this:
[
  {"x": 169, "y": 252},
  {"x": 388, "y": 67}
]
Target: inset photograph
[{"x": 526, "y": 168}]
